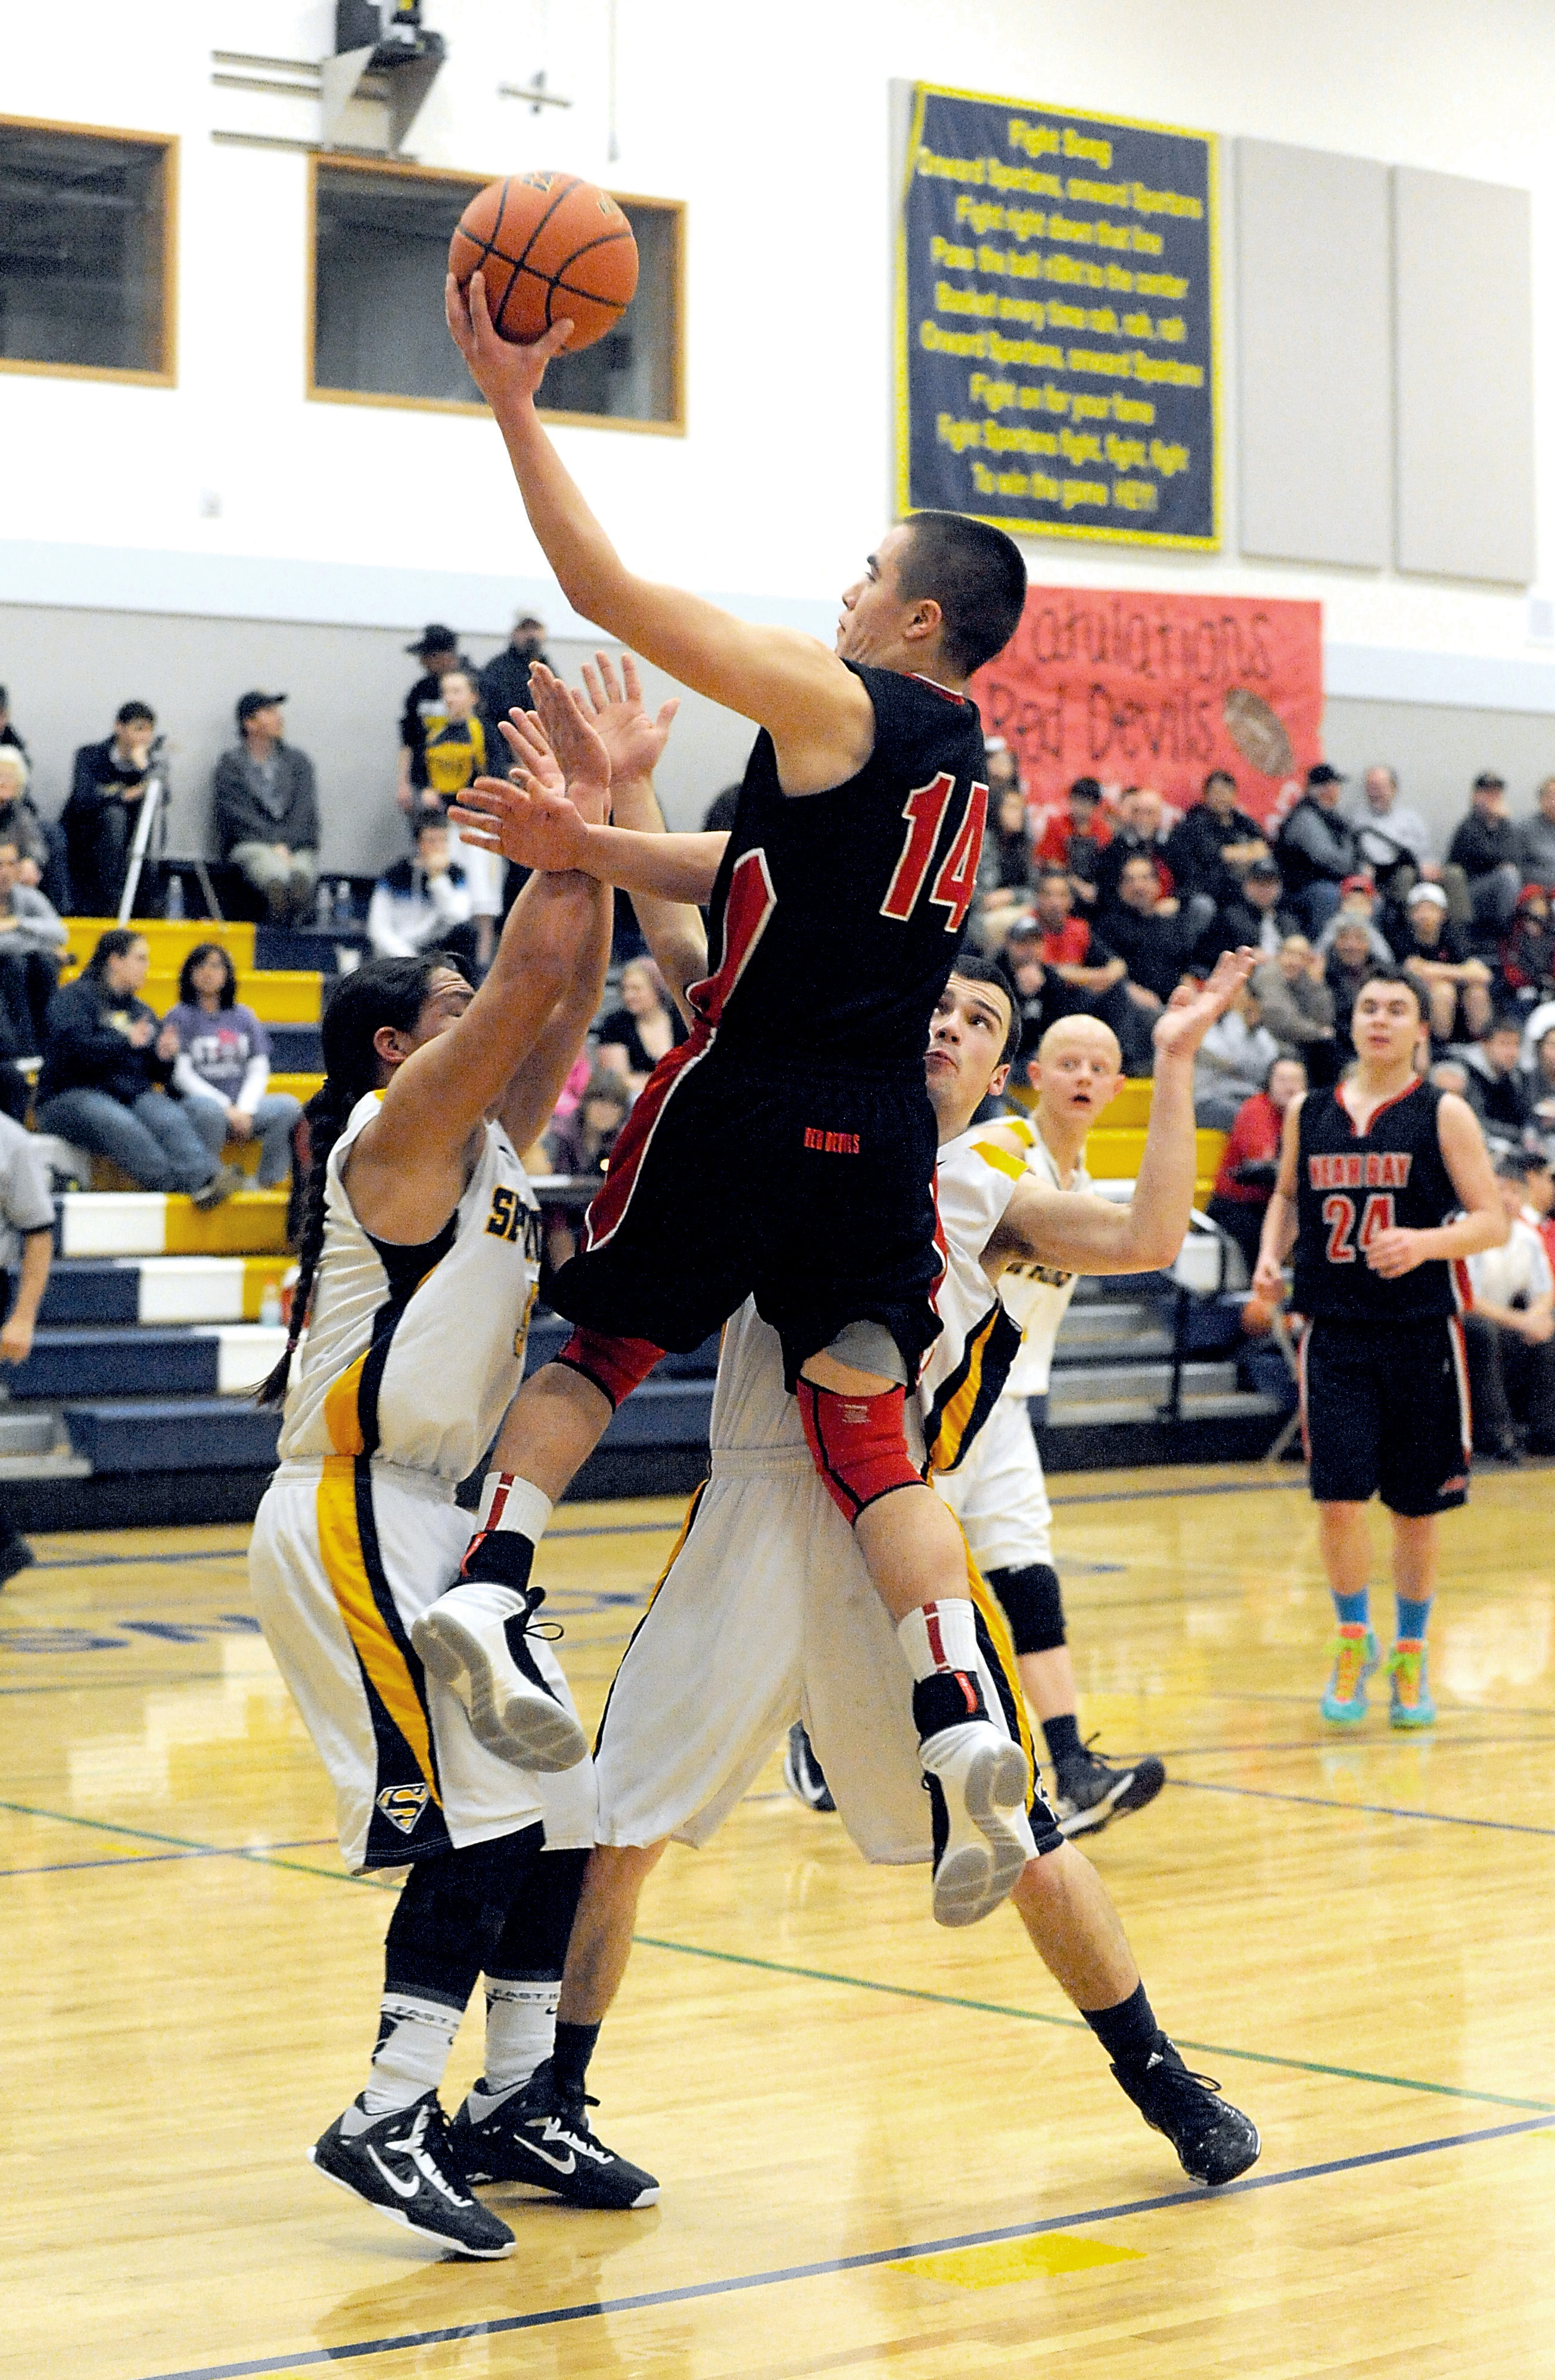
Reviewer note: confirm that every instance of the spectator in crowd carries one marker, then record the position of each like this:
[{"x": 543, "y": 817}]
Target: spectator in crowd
[
  {"x": 1141, "y": 827},
  {"x": 1085, "y": 976},
  {"x": 646, "y": 1027},
  {"x": 1435, "y": 955},
  {"x": 1254, "y": 918},
  {"x": 32, "y": 939},
  {"x": 1348, "y": 964},
  {"x": 1499, "y": 1090},
  {"x": 1041, "y": 998},
  {"x": 1002, "y": 768},
  {"x": 1297, "y": 1006},
  {"x": 437, "y": 649},
  {"x": 1541, "y": 1083},
  {"x": 222, "y": 1070},
  {"x": 1357, "y": 899},
  {"x": 9, "y": 739},
  {"x": 26, "y": 1254},
  {"x": 579, "y": 1144},
  {"x": 19, "y": 822},
  {"x": 1540, "y": 1210},
  {"x": 1391, "y": 839},
  {"x": 1316, "y": 848},
  {"x": 1075, "y": 837},
  {"x": 1250, "y": 1163},
  {"x": 107, "y": 1065},
  {"x": 1487, "y": 848},
  {"x": 1510, "y": 1330},
  {"x": 1528, "y": 956},
  {"x": 1536, "y": 839},
  {"x": 504, "y": 680},
  {"x": 1450, "y": 1075},
  {"x": 1149, "y": 932},
  {"x": 1006, "y": 871},
  {"x": 455, "y": 754},
  {"x": 422, "y": 904},
  {"x": 267, "y": 810},
  {"x": 107, "y": 785},
  {"x": 1212, "y": 848},
  {"x": 1233, "y": 1062}
]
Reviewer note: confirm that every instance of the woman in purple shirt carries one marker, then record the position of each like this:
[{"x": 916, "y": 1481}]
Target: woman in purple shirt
[{"x": 223, "y": 1068}]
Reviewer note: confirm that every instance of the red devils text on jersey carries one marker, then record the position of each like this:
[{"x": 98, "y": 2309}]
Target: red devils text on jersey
[
  {"x": 786, "y": 1149},
  {"x": 850, "y": 904},
  {"x": 1350, "y": 1186}
]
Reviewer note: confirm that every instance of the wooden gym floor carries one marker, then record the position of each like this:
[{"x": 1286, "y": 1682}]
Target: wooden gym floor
[{"x": 884, "y": 2149}]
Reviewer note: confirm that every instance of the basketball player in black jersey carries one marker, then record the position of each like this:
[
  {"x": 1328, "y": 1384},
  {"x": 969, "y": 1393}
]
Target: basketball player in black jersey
[
  {"x": 1385, "y": 1186},
  {"x": 788, "y": 1149}
]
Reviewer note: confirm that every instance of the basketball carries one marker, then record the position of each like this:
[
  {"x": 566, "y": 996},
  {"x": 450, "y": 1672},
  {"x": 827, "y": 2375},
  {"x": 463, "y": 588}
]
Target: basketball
[{"x": 551, "y": 248}]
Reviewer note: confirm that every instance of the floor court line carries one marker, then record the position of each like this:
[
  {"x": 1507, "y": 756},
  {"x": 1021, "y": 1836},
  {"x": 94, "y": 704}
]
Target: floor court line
[
  {"x": 1366, "y": 1809},
  {"x": 1078, "y": 2025},
  {"x": 738, "y": 2282}
]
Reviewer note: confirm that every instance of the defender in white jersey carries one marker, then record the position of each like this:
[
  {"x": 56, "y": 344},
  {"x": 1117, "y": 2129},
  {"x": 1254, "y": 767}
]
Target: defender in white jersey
[
  {"x": 998, "y": 1493},
  {"x": 417, "y": 1272},
  {"x": 765, "y": 1613}
]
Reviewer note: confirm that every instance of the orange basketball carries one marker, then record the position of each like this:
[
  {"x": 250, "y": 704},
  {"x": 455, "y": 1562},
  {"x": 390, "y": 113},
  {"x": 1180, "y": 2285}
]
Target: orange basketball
[{"x": 550, "y": 247}]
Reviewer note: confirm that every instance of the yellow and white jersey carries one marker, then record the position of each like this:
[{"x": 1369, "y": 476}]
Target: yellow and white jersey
[
  {"x": 966, "y": 1369},
  {"x": 414, "y": 1354},
  {"x": 1037, "y": 1295}
]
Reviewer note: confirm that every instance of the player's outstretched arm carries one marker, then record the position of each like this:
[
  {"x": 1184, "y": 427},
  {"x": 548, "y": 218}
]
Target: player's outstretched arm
[
  {"x": 1087, "y": 1234},
  {"x": 1278, "y": 1234},
  {"x": 818, "y": 715},
  {"x": 1483, "y": 1222}
]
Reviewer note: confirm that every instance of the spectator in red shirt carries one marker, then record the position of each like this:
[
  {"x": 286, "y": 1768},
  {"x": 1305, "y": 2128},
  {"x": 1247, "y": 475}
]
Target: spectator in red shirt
[
  {"x": 1074, "y": 839},
  {"x": 1085, "y": 978},
  {"x": 1250, "y": 1160}
]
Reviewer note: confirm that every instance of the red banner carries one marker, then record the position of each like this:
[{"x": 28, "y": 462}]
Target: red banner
[{"x": 1145, "y": 689}]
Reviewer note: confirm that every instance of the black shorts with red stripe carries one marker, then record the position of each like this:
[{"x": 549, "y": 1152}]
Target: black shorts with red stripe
[
  {"x": 812, "y": 1192},
  {"x": 1385, "y": 1408}
]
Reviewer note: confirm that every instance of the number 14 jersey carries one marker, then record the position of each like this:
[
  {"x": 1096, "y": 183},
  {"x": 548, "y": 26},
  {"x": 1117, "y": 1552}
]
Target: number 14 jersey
[{"x": 1350, "y": 1186}]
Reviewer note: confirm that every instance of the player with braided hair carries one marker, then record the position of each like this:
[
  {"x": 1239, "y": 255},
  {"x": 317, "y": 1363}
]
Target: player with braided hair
[{"x": 419, "y": 1262}]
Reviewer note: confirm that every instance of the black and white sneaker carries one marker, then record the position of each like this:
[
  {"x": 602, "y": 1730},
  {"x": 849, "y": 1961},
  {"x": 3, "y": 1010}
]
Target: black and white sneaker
[
  {"x": 541, "y": 2134},
  {"x": 1214, "y": 2140},
  {"x": 474, "y": 1639},
  {"x": 405, "y": 2166},
  {"x": 16, "y": 1555},
  {"x": 979, "y": 1781},
  {"x": 1091, "y": 1793},
  {"x": 802, "y": 1772}
]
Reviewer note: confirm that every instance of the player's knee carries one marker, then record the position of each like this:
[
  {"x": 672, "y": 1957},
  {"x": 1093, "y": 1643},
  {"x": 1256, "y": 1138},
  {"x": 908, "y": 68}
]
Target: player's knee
[
  {"x": 451, "y": 1914},
  {"x": 858, "y": 1445},
  {"x": 1031, "y": 1602},
  {"x": 615, "y": 1366}
]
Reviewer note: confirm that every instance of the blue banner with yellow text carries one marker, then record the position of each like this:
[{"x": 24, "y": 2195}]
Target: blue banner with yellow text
[{"x": 1056, "y": 361}]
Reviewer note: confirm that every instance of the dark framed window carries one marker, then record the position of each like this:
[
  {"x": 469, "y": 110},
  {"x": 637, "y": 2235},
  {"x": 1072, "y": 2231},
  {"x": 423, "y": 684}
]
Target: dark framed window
[
  {"x": 380, "y": 251},
  {"x": 88, "y": 224}
]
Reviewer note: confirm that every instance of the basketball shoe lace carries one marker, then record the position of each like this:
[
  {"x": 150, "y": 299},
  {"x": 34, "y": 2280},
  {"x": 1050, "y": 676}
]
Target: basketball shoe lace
[
  {"x": 1350, "y": 1650},
  {"x": 1404, "y": 1665}
]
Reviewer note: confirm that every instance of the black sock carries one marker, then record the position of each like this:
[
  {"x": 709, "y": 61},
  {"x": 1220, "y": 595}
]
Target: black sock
[
  {"x": 1061, "y": 1736},
  {"x": 569, "y": 2059},
  {"x": 1128, "y": 2033},
  {"x": 503, "y": 1556}
]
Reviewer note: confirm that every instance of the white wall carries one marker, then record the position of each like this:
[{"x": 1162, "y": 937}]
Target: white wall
[{"x": 772, "y": 125}]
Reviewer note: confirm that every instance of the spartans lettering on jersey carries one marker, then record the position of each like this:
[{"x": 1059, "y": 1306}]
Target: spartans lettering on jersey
[
  {"x": 1377, "y": 1168},
  {"x": 511, "y": 1219},
  {"x": 1049, "y": 1276}
]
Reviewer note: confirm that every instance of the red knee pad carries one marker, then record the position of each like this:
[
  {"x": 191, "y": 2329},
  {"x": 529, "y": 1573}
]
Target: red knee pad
[
  {"x": 615, "y": 1366},
  {"x": 859, "y": 1444}
]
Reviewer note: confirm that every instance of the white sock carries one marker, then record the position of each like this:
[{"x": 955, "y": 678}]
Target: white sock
[
  {"x": 415, "y": 2037},
  {"x": 509, "y": 1502},
  {"x": 520, "y": 2033},
  {"x": 939, "y": 1636}
]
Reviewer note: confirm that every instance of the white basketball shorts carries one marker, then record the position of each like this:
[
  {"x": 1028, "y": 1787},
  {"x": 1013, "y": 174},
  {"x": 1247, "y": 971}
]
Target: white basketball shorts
[
  {"x": 999, "y": 1494},
  {"x": 345, "y": 1555},
  {"x": 766, "y": 1615}
]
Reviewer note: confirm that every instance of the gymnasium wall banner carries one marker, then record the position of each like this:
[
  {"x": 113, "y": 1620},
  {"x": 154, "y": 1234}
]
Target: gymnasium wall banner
[
  {"x": 1056, "y": 365},
  {"x": 1141, "y": 688}
]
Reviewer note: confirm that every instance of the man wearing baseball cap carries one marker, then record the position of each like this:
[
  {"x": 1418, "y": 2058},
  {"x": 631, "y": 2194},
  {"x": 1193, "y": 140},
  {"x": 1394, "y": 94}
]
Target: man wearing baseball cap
[
  {"x": 267, "y": 810},
  {"x": 437, "y": 649},
  {"x": 1485, "y": 846},
  {"x": 1316, "y": 849},
  {"x": 1433, "y": 952}
]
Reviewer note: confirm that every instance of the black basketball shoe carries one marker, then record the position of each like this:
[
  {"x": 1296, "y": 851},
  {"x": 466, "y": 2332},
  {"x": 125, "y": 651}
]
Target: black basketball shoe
[
  {"x": 1214, "y": 2140},
  {"x": 1091, "y": 1793},
  {"x": 540, "y": 2134},
  {"x": 802, "y": 1772},
  {"x": 404, "y": 2165}
]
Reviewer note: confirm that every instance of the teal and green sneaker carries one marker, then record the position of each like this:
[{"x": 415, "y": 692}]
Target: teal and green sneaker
[
  {"x": 1355, "y": 1655},
  {"x": 1411, "y": 1705}
]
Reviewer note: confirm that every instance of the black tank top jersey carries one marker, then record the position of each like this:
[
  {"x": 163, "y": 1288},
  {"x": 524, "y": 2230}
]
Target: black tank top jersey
[
  {"x": 1350, "y": 1185},
  {"x": 836, "y": 916}
]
